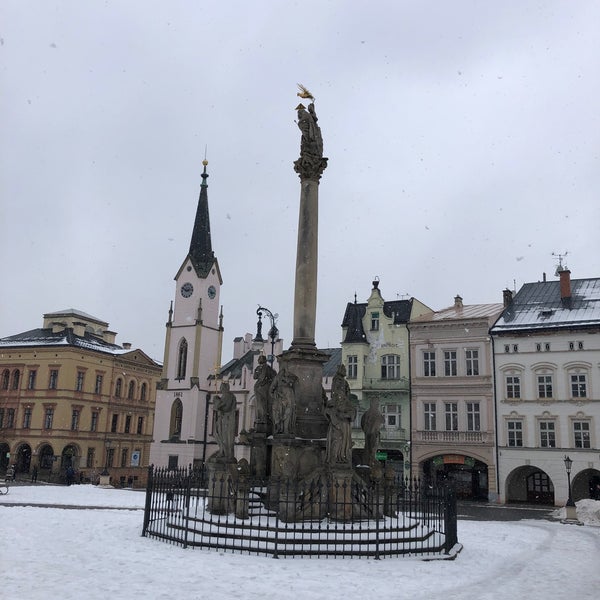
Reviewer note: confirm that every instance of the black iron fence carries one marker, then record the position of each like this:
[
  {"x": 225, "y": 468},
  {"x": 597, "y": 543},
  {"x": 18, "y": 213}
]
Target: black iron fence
[{"x": 281, "y": 518}]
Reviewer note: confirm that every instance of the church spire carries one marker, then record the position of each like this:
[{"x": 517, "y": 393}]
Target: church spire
[{"x": 201, "y": 252}]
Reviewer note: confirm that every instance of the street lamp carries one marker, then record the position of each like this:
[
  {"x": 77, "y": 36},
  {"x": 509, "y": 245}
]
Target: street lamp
[
  {"x": 571, "y": 510},
  {"x": 258, "y": 342},
  {"x": 568, "y": 465},
  {"x": 108, "y": 444}
]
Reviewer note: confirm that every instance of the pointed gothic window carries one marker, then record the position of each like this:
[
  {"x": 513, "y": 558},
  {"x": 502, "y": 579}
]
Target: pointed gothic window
[
  {"x": 176, "y": 418},
  {"x": 182, "y": 359}
]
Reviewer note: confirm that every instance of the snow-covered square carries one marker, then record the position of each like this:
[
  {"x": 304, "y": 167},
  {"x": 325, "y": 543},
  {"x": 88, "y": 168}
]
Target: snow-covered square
[{"x": 87, "y": 544}]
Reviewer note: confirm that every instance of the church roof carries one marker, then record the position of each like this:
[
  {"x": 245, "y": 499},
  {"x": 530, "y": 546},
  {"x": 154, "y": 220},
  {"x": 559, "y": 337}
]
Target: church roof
[{"x": 201, "y": 253}]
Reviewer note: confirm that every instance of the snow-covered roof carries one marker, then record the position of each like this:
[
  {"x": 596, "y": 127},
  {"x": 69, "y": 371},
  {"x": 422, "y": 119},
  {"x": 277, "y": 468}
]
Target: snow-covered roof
[
  {"x": 66, "y": 337},
  {"x": 468, "y": 311},
  {"x": 67, "y": 312},
  {"x": 540, "y": 306}
]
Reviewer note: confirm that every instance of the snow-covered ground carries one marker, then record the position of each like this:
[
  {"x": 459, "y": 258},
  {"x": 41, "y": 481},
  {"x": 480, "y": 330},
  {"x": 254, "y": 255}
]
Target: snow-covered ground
[{"x": 58, "y": 553}]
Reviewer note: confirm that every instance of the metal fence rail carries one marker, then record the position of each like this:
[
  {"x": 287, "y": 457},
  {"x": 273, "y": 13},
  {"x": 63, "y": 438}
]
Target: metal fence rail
[{"x": 284, "y": 519}]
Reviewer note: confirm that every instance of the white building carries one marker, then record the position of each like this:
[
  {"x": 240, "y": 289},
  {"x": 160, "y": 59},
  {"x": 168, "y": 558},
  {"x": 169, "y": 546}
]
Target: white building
[
  {"x": 193, "y": 345},
  {"x": 547, "y": 387}
]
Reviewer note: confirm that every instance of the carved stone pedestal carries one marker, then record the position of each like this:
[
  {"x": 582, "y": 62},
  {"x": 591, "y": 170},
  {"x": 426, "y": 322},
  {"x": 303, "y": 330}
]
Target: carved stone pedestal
[
  {"x": 221, "y": 473},
  {"x": 341, "y": 506},
  {"x": 307, "y": 365},
  {"x": 258, "y": 454}
]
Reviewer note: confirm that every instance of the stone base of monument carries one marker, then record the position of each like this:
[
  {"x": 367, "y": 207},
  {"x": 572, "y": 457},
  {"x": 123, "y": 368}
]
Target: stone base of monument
[
  {"x": 220, "y": 471},
  {"x": 258, "y": 454},
  {"x": 307, "y": 365},
  {"x": 104, "y": 481}
]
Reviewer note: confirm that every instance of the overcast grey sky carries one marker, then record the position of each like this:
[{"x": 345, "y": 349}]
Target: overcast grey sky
[{"x": 463, "y": 141}]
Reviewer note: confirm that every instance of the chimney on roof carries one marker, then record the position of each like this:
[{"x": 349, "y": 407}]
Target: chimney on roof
[
  {"x": 507, "y": 297},
  {"x": 127, "y": 345},
  {"x": 58, "y": 326},
  {"x": 458, "y": 303},
  {"x": 565, "y": 286}
]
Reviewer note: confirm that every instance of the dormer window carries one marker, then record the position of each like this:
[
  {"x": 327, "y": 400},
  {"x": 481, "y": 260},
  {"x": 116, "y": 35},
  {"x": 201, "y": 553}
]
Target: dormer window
[{"x": 375, "y": 321}]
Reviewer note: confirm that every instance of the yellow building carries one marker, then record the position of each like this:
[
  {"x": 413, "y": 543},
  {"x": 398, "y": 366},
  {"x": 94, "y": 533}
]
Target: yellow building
[{"x": 74, "y": 403}]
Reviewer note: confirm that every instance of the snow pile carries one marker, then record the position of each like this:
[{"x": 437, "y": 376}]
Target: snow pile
[{"x": 588, "y": 512}]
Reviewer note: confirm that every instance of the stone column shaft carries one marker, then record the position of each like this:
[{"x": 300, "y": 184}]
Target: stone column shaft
[{"x": 305, "y": 294}]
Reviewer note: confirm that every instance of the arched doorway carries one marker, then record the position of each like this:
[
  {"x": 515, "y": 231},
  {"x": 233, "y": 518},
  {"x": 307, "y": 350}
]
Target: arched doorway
[
  {"x": 4, "y": 457},
  {"x": 586, "y": 484},
  {"x": 69, "y": 458},
  {"x": 468, "y": 475},
  {"x": 529, "y": 484},
  {"x": 23, "y": 458},
  {"x": 46, "y": 457}
]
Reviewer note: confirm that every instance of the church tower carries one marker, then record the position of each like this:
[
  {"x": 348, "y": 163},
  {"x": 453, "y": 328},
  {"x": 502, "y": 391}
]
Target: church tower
[{"x": 193, "y": 344}]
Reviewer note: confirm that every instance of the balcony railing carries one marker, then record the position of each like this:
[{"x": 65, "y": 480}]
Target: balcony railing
[{"x": 456, "y": 437}]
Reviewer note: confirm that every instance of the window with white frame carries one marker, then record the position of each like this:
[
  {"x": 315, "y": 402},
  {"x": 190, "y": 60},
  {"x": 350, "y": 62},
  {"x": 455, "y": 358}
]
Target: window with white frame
[
  {"x": 390, "y": 366},
  {"x": 472, "y": 360},
  {"x": 391, "y": 416},
  {"x": 375, "y": 321},
  {"x": 428, "y": 363},
  {"x": 451, "y": 414},
  {"x": 547, "y": 434},
  {"x": 514, "y": 430},
  {"x": 581, "y": 434},
  {"x": 352, "y": 366},
  {"x": 513, "y": 386},
  {"x": 544, "y": 383},
  {"x": 578, "y": 385},
  {"x": 450, "y": 363},
  {"x": 429, "y": 413},
  {"x": 473, "y": 416}
]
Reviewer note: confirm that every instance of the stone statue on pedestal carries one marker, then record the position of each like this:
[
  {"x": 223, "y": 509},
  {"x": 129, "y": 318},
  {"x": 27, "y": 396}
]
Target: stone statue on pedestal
[
  {"x": 283, "y": 397},
  {"x": 224, "y": 406},
  {"x": 311, "y": 163},
  {"x": 371, "y": 423},
  {"x": 264, "y": 375},
  {"x": 341, "y": 413}
]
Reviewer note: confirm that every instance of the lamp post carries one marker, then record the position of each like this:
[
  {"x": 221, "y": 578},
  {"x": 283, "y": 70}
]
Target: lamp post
[
  {"x": 105, "y": 476},
  {"x": 258, "y": 341},
  {"x": 571, "y": 510}
]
